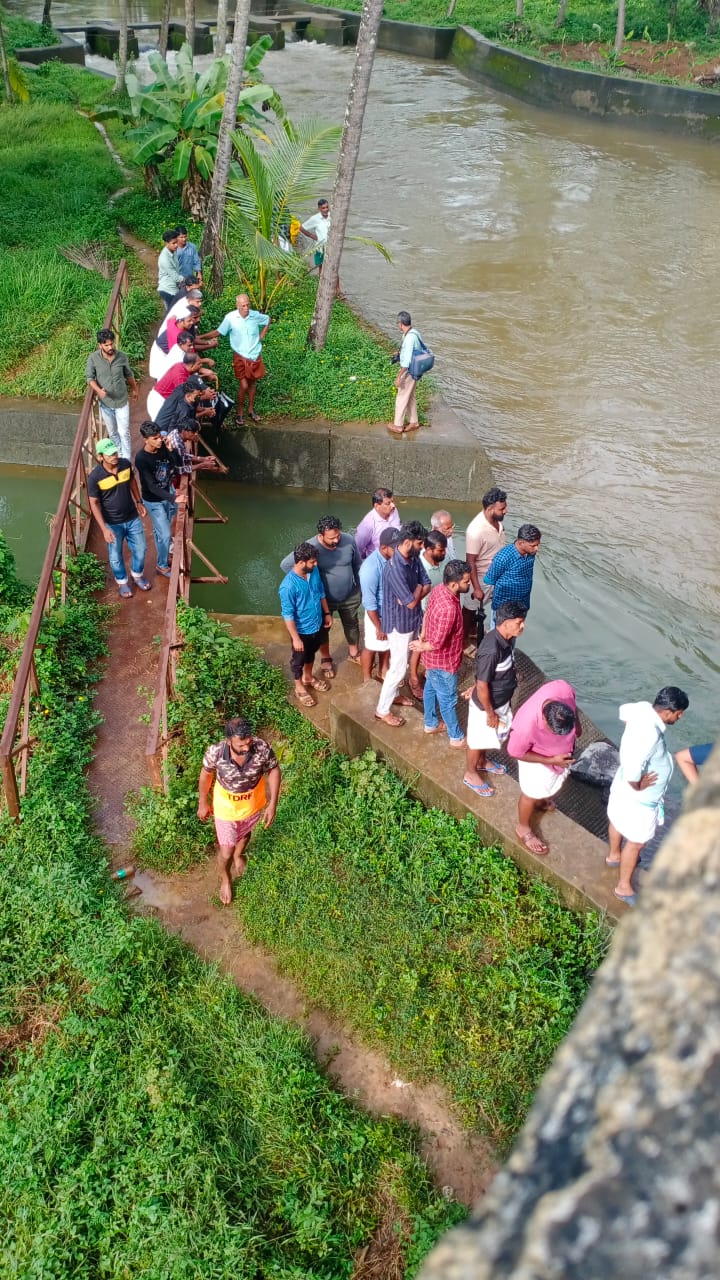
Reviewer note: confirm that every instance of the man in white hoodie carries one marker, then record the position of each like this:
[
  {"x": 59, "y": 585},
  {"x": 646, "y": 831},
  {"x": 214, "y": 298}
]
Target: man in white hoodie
[{"x": 635, "y": 806}]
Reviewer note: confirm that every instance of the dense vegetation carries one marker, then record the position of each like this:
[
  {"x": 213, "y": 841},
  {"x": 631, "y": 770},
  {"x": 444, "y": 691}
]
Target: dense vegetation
[
  {"x": 20, "y": 33},
  {"x": 153, "y": 1121},
  {"x": 387, "y": 913},
  {"x": 57, "y": 177}
]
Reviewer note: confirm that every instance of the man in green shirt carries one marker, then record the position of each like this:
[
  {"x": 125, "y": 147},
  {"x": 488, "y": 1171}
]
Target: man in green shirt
[
  {"x": 109, "y": 374},
  {"x": 170, "y": 277}
]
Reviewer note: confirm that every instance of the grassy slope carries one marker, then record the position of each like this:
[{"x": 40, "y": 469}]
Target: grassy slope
[
  {"x": 57, "y": 177},
  {"x": 153, "y": 1121},
  {"x": 388, "y": 914}
]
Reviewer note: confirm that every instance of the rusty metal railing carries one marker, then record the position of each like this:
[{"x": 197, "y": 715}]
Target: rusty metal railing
[
  {"x": 68, "y": 535},
  {"x": 159, "y": 736}
]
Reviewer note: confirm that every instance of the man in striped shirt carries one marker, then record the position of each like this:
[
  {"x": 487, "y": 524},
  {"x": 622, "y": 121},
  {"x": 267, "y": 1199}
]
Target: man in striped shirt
[
  {"x": 404, "y": 585},
  {"x": 442, "y": 645},
  {"x": 511, "y": 572}
]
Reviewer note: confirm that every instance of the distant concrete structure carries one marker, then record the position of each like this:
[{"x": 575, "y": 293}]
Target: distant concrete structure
[{"x": 616, "y": 1175}]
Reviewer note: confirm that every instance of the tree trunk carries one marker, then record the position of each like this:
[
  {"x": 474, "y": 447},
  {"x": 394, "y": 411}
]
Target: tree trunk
[
  {"x": 347, "y": 162},
  {"x": 164, "y": 29},
  {"x": 190, "y": 24},
  {"x": 45, "y": 20},
  {"x": 221, "y": 29},
  {"x": 195, "y": 193},
  {"x": 620, "y": 28},
  {"x": 518, "y": 9},
  {"x": 9, "y": 95},
  {"x": 212, "y": 236},
  {"x": 122, "y": 48},
  {"x": 561, "y": 13}
]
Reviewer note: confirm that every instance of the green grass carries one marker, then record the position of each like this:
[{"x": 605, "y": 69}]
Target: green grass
[
  {"x": 57, "y": 179},
  {"x": 153, "y": 1121},
  {"x": 390, "y": 915},
  {"x": 20, "y": 33},
  {"x": 350, "y": 379}
]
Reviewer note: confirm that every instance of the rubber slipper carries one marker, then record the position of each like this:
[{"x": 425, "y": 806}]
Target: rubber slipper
[
  {"x": 533, "y": 843},
  {"x": 164, "y": 573},
  {"x": 142, "y": 584},
  {"x": 354, "y": 657},
  {"x": 417, "y": 691},
  {"x": 412, "y": 426},
  {"x": 630, "y": 899},
  {"x": 253, "y": 417},
  {"x": 480, "y": 788},
  {"x": 125, "y": 591},
  {"x": 402, "y": 701},
  {"x": 239, "y": 420},
  {"x": 393, "y": 721},
  {"x": 493, "y": 767},
  {"x": 328, "y": 667},
  {"x": 304, "y": 699},
  {"x": 439, "y": 728},
  {"x": 612, "y": 862}
]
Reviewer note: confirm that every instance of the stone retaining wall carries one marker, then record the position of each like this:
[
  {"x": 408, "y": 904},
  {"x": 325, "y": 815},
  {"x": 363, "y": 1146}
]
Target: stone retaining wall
[{"x": 33, "y": 434}]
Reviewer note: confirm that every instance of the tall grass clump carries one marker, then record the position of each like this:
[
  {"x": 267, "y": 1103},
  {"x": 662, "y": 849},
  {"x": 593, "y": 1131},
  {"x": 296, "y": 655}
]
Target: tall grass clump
[
  {"x": 391, "y": 915},
  {"x": 153, "y": 1121},
  {"x": 57, "y": 179}
]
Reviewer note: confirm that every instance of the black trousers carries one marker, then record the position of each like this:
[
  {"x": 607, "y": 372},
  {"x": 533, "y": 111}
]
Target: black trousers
[{"x": 311, "y": 644}]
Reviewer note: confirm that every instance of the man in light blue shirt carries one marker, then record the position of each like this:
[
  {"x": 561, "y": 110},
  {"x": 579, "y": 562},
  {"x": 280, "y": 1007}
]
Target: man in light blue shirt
[
  {"x": 371, "y": 574},
  {"x": 245, "y": 329},
  {"x": 406, "y": 400},
  {"x": 188, "y": 258},
  {"x": 170, "y": 279}
]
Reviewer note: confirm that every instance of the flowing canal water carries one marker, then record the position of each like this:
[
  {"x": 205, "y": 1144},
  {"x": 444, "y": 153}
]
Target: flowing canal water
[{"x": 565, "y": 273}]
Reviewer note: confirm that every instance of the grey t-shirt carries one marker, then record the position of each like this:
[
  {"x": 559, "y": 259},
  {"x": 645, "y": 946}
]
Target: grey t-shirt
[
  {"x": 111, "y": 375},
  {"x": 339, "y": 568}
]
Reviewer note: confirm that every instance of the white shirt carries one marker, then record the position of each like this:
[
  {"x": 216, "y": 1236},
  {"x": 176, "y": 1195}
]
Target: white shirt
[
  {"x": 320, "y": 225},
  {"x": 407, "y": 347}
]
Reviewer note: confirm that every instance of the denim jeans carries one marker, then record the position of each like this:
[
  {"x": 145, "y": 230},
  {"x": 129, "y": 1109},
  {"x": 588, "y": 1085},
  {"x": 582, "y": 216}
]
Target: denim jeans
[
  {"x": 441, "y": 688},
  {"x": 117, "y": 423},
  {"x": 162, "y": 515},
  {"x": 130, "y": 531}
]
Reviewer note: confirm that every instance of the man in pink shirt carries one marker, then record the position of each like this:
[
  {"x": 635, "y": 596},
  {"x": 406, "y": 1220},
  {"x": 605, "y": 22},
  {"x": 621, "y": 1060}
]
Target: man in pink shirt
[
  {"x": 384, "y": 515},
  {"x": 542, "y": 740}
]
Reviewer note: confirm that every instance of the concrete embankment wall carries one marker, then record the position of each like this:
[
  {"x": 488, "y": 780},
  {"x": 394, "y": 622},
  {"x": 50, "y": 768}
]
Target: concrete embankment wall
[
  {"x": 34, "y": 433},
  {"x": 544, "y": 84}
]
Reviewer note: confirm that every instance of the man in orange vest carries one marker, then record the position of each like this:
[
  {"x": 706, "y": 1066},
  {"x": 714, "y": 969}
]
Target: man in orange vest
[{"x": 245, "y": 778}]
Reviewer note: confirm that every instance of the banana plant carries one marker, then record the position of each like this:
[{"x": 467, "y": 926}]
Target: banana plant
[{"x": 177, "y": 117}]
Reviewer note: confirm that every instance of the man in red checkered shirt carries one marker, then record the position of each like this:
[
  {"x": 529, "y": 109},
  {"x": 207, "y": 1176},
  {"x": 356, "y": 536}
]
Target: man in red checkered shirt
[{"x": 441, "y": 645}]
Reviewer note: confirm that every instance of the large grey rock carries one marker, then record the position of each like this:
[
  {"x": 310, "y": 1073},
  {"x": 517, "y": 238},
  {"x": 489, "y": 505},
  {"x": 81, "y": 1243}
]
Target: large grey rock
[
  {"x": 597, "y": 764},
  {"x": 617, "y": 1171}
]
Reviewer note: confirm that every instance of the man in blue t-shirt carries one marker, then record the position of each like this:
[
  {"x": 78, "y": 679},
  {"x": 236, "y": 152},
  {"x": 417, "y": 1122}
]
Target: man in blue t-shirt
[{"x": 307, "y": 617}]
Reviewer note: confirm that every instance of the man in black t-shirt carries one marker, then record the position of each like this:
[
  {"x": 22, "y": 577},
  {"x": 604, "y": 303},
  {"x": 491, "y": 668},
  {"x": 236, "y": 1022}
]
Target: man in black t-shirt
[
  {"x": 182, "y": 407},
  {"x": 117, "y": 506},
  {"x": 154, "y": 465},
  {"x": 489, "y": 713}
]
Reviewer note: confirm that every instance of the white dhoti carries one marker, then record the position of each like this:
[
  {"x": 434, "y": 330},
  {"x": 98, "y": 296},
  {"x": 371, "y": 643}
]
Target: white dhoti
[
  {"x": 540, "y": 781},
  {"x": 480, "y": 737}
]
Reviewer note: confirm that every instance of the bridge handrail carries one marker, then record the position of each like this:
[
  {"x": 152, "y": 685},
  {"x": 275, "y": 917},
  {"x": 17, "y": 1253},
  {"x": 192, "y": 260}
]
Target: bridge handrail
[{"x": 68, "y": 535}]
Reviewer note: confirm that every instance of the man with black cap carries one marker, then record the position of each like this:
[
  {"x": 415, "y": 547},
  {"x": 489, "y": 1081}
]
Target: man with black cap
[
  {"x": 108, "y": 373},
  {"x": 117, "y": 506},
  {"x": 154, "y": 465},
  {"x": 182, "y": 406},
  {"x": 371, "y": 579}
]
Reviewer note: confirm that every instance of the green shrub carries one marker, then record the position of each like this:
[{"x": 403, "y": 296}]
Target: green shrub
[
  {"x": 20, "y": 33},
  {"x": 389, "y": 914},
  {"x": 153, "y": 1121}
]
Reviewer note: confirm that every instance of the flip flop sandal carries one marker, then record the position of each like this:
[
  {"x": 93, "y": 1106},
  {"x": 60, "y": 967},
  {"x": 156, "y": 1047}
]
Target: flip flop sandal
[
  {"x": 416, "y": 690},
  {"x": 354, "y": 657},
  {"x": 239, "y": 420},
  {"x": 142, "y": 584},
  {"x": 125, "y": 591},
  {"x": 439, "y": 728},
  {"x": 253, "y": 417},
  {"x": 393, "y": 721},
  {"x": 304, "y": 699},
  {"x": 629, "y": 898},
  {"x": 322, "y": 686},
  {"x": 412, "y": 426},
  {"x": 493, "y": 767},
  {"x": 612, "y": 862},
  {"x": 480, "y": 788},
  {"x": 402, "y": 701},
  {"x": 328, "y": 667},
  {"x": 533, "y": 843},
  {"x": 164, "y": 573}
]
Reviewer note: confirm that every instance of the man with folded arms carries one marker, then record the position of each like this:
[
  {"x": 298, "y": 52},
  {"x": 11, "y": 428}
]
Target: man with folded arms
[
  {"x": 489, "y": 713},
  {"x": 404, "y": 585},
  {"x": 442, "y": 649}
]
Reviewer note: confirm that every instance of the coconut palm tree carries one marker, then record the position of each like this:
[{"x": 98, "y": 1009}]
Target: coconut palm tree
[
  {"x": 347, "y": 162},
  {"x": 212, "y": 236},
  {"x": 164, "y": 29},
  {"x": 190, "y": 25},
  {"x": 122, "y": 55},
  {"x": 278, "y": 180},
  {"x": 221, "y": 29}
]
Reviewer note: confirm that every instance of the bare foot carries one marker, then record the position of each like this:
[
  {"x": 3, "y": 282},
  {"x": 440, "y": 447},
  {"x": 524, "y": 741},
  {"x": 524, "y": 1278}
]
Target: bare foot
[
  {"x": 225, "y": 891},
  {"x": 393, "y": 721}
]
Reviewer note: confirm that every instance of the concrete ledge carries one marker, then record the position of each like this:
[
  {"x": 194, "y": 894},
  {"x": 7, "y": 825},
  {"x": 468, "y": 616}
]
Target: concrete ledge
[
  {"x": 575, "y": 865},
  {"x": 34, "y": 434},
  {"x": 103, "y": 38},
  {"x": 544, "y": 84},
  {"x": 203, "y": 42},
  {"x": 66, "y": 51},
  {"x": 397, "y": 37},
  {"x": 444, "y": 462},
  {"x": 261, "y": 26}
]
